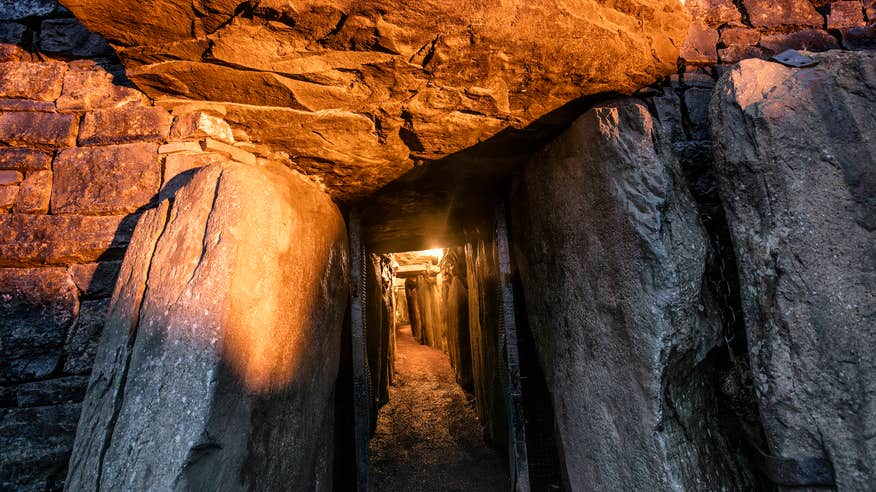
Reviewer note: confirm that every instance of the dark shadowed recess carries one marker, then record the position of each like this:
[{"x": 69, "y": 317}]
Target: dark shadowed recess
[{"x": 438, "y": 203}]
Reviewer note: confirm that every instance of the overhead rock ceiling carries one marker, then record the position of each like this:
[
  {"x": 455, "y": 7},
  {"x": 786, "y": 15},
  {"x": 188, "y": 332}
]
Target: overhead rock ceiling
[{"x": 358, "y": 92}]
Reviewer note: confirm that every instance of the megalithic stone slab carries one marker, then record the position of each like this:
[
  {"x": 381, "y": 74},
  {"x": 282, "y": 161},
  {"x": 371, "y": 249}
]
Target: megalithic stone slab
[
  {"x": 219, "y": 356},
  {"x": 358, "y": 91},
  {"x": 612, "y": 260},
  {"x": 795, "y": 153}
]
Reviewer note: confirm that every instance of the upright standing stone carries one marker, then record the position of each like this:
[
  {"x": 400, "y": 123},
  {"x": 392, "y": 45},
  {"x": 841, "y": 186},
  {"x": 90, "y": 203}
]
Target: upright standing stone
[
  {"x": 611, "y": 258},
  {"x": 217, "y": 364},
  {"x": 796, "y": 162}
]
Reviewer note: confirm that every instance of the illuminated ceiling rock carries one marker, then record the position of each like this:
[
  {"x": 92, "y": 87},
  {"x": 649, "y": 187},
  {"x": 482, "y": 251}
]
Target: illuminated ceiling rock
[{"x": 357, "y": 91}]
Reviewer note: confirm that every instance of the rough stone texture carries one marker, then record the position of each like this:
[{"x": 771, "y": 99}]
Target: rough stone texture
[
  {"x": 70, "y": 36},
  {"x": 225, "y": 329},
  {"x": 124, "y": 124},
  {"x": 96, "y": 279},
  {"x": 776, "y": 13},
  {"x": 8, "y": 194},
  {"x": 714, "y": 12},
  {"x": 859, "y": 38},
  {"x": 198, "y": 125},
  {"x": 699, "y": 47},
  {"x": 105, "y": 180},
  {"x": 34, "y": 446},
  {"x": 796, "y": 160},
  {"x": 611, "y": 258},
  {"x": 34, "y": 193},
  {"x": 845, "y": 13},
  {"x": 24, "y": 159},
  {"x": 80, "y": 346},
  {"x": 68, "y": 389},
  {"x": 21, "y": 9},
  {"x": 416, "y": 80},
  {"x": 38, "y": 129},
  {"x": 39, "y": 81},
  {"x": 11, "y": 36},
  {"x": 807, "y": 39},
  {"x": 177, "y": 167},
  {"x": 55, "y": 239},
  {"x": 10, "y": 178},
  {"x": 37, "y": 306},
  {"x": 90, "y": 86}
]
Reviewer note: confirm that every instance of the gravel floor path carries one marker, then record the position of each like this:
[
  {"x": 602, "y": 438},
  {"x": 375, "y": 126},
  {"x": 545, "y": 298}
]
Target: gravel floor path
[{"x": 428, "y": 437}]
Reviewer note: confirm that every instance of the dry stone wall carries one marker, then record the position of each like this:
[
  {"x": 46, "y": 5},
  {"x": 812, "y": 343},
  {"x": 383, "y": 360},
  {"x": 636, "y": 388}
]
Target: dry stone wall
[{"x": 82, "y": 154}]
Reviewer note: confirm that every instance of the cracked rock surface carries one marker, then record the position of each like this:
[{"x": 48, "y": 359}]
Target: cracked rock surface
[{"x": 355, "y": 92}]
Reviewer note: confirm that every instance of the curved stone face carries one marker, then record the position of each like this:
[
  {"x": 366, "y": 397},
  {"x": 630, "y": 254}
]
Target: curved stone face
[
  {"x": 217, "y": 365},
  {"x": 401, "y": 80}
]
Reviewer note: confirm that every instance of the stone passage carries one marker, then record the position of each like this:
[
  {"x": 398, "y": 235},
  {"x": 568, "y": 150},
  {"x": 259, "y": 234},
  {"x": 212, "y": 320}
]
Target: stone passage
[{"x": 428, "y": 436}]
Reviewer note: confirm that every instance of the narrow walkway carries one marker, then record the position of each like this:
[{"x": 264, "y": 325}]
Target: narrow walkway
[{"x": 428, "y": 437}]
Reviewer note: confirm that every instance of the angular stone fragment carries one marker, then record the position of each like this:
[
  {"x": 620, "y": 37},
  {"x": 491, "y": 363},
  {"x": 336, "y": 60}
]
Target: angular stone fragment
[
  {"x": 124, "y": 124},
  {"x": 795, "y": 160},
  {"x": 173, "y": 147},
  {"x": 90, "y": 87},
  {"x": 870, "y": 10},
  {"x": 699, "y": 47},
  {"x": 806, "y": 39},
  {"x": 40, "y": 129},
  {"x": 845, "y": 13},
  {"x": 56, "y": 239},
  {"x": 83, "y": 337},
  {"x": 22, "y": 9},
  {"x": 39, "y": 81},
  {"x": 10, "y": 178},
  {"x": 24, "y": 159},
  {"x": 35, "y": 444},
  {"x": 34, "y": 193},
  {"x": 101, "y": 180},
  {"x": 198, "y": 125},
  {"x": 612, "y": 258},
  {"x": 230, "y": 151},
  {"x": 776, "y": 13},
  {"x": 69, "y": 36},
  {"x": 7, "y": 197},
  {"x": 69, "y": 389},
  {"x": 96, "y": 279},
  {"x": 37, "y": 306},
  {"x": 241, "y": 320}
]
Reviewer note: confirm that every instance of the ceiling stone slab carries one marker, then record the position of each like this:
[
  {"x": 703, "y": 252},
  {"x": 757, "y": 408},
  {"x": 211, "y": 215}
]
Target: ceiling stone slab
[{"x": 430, "y": 78}]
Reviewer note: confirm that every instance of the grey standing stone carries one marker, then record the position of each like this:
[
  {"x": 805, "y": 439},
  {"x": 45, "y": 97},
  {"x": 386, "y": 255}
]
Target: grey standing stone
[
  {"x": 612, "y": 258},
  {"x": 218, "y": 361},
  {"x": 796, "y": 164}
]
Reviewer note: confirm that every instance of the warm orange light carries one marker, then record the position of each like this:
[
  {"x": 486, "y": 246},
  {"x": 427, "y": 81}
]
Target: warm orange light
[{"x": 436, "y": 253}]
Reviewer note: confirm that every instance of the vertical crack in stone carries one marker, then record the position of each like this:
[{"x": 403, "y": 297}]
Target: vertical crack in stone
[
  {"x": 203, "y": 238},
  {"x": 120, "y": 394}
]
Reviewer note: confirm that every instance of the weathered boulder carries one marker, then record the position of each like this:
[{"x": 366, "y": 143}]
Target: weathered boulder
[
  {"x": 795, "y": 156},
  {"x": 612, "y": 258},
  {"x": 383, "y": 83},
  {"x": 219, "y": 356}
]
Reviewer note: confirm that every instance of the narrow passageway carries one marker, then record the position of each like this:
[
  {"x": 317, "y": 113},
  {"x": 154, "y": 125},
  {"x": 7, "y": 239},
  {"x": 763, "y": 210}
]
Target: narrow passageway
[{"x": 428, "y": 437}]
